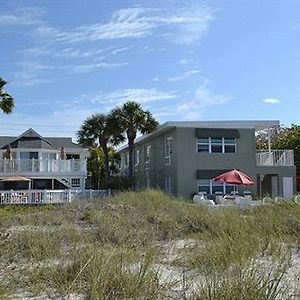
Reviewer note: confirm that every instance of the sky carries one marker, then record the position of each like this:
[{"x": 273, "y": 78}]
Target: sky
[{"x": 65, "y": 60}]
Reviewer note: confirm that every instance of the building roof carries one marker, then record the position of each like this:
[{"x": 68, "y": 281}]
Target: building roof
[
  {"x": 31, "y": 139},
  {"x": 257, "y": 125}
]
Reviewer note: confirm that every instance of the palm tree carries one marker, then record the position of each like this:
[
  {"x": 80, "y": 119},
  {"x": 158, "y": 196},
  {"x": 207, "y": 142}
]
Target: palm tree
[
  {"x": 6, "y": 100},
  {"x": 100, "y": 130},
  {"x": 133, "y": 119}
]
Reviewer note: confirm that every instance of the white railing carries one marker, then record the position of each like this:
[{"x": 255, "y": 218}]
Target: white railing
[
  {"x": 49, "y": 196},
  {"x": 275, "y": 158},
  {"x": 42, "y": 166}
]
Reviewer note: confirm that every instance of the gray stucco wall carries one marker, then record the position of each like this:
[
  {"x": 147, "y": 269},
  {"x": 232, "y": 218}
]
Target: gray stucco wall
[
  {"x": 190, "y": 160},
  {"x": 185, "y": 161}
]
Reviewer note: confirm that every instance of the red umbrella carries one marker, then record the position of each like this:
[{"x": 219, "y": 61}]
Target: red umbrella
[{"x": 234, "y": 177}]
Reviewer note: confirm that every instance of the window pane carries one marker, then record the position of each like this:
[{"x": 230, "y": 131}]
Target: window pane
[
  {"x": 216, "y": 148},
  {"x": 204, "y": 188},
  {"x": 203, "y": 182},
  {"x": 229, "y": 148},
  {"x": 203, "y": 141},
  {"x": 229, "y": 188},
  {"x": 217, "y": 188},
  {"x": 217, "y": 141},
  {"x": 203, "y": 148},
  {"x": 24, "y": 155},
  {"x": 229, "y": 141}
]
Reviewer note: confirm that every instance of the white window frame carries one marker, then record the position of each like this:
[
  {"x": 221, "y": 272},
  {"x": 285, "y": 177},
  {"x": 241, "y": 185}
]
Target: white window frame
[
  {"x": 210, "y": 143},
  {"x": 169, "y": 184},
  {"x": 147, "y": 156},
  {"x": 75, "y": 182},
  {"x": 126, "y": 159},
  {"x": 212, "y": 183},
  {"x": 136, "y": 157},
  {"x": 168, "y": 150}
]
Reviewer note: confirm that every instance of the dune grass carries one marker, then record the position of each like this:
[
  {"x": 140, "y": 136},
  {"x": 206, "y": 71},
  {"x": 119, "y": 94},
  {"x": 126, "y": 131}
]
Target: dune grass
[{"x": 126, "y": 247}]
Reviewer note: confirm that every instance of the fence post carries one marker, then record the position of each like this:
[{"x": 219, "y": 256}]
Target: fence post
[
  {"x": 109, "y": 192},
  {"x": 69, "y": 195},
  {"x": 91, "y": 193}
]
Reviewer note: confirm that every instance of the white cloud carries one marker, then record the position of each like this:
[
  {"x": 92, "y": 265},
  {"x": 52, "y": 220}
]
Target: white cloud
[
  {"x": 204, "y": 98},
  {"x": 54, "y": 123},
  {"x": 120, "y": 96},
  {"x": 185, "y": 75},
  {"x": 184, "y": 61},
  {"x": 22, "y": 17},
  {"x": 188, "y": 25},
  {"x": 31, "y": 73},
  {"x": 156, "y": 78},
  {"x": 271, "y": 100},
  {"x": 119, "y": 50},
  {"x": 86, "y": 68}
]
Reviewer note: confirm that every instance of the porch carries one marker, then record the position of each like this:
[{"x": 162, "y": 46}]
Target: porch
[
  {"x": 10, "y": 167},
  {"x": 275, "y": 158},
  {"x": 49, "y": 196}
]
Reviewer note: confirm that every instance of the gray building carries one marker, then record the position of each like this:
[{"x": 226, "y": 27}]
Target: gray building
[{"x": 181, "y": 158}]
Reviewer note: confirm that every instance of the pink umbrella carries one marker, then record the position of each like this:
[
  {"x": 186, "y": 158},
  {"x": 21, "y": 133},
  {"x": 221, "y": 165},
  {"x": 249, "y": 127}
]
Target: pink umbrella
[{"x": 235, "y": 177}]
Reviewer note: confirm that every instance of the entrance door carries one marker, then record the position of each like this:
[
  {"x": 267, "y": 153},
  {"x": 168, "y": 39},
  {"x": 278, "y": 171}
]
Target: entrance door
[{"x": 287, "y": 187}]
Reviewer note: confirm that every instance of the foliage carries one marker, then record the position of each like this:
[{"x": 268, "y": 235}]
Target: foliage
[
  {"x": 283, "y": 138},
  {"x": 6, "y": 100},
  {"x": 96, "y": 167},
  {"x": 133, "y": 119},
  {"x": 100, "y": 130}
]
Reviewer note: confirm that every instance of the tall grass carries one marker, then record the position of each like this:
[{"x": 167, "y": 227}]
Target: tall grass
[{"x": 113, "y": 249}]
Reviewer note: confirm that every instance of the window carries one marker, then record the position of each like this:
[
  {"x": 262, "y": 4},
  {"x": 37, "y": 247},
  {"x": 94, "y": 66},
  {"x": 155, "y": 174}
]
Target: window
[
  {"x": 211, "y": 187},
  {"x": 126, "y": 159},
  {"x": 229, "y": 145},
  {"x": 169, "y": 184},
  {"x": 75, "y": 182},
  {"x": 168, "y": 150},
  {"x": 203, "y": 145},
  {"x": 73, "y": 156},
  {"x": 29, "y": 155},
  {"x": 204, "y": 186},
  {"x": 136, "y": 157},
  {"x": 216, "y": 145},
  {"x": 147, "y": 156}
]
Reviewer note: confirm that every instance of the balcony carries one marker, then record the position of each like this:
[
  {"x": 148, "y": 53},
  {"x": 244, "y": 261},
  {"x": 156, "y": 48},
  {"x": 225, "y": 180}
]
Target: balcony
[
  {"x": 281, "y": 158},
  {"x": 42, "y": 167}
]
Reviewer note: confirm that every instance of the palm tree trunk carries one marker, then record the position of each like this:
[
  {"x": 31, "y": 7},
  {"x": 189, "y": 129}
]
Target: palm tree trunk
[
  {"x": 106, "y": 162},
  {"x": 130, "y": 150}
]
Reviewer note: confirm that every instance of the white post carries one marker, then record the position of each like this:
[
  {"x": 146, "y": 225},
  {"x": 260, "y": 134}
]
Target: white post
[{"x": 269, "y": 140}]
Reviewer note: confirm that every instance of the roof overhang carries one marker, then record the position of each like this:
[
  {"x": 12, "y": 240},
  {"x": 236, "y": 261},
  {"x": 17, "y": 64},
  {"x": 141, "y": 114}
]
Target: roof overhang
[{"x": 257, "y": 125}]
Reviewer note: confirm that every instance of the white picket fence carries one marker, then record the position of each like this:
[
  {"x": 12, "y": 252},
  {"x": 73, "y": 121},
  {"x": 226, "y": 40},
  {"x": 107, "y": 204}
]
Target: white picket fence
[{"x": 49, "y": 196}]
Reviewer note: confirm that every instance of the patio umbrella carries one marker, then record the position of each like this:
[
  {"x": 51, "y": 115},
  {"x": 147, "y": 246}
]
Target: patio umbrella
[{"x": 235, "y": 177}]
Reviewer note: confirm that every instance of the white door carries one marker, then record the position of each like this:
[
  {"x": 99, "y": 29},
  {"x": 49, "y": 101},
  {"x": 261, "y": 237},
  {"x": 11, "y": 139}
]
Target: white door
[{"x": 287, "y": 187}]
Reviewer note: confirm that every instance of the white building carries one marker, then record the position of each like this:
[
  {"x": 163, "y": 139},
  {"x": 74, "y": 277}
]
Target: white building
[{"x": 50, "y": 162}]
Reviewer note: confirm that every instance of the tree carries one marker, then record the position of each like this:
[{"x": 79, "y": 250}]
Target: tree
[
  {"x": 95, "y": 166},
  {"x": 100, "y": 130},
  {"x": 283, "y": 138},
  {"x": 133, "y": 119},
  {"x": 6, "y": 100}
]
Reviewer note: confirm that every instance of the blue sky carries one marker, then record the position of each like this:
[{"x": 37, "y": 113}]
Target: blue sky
[{"x": 183, "y": 60}]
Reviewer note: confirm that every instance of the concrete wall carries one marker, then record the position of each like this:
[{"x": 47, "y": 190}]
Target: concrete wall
[
  {"x": 185, "y": 161},
  {"x": 190, "y": 160}
]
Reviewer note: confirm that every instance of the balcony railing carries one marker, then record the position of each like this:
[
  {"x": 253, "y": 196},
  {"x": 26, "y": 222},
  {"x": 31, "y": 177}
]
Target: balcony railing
[
  {"x": 275, "y": 158},
  {"x": 16, "y": 166}
]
